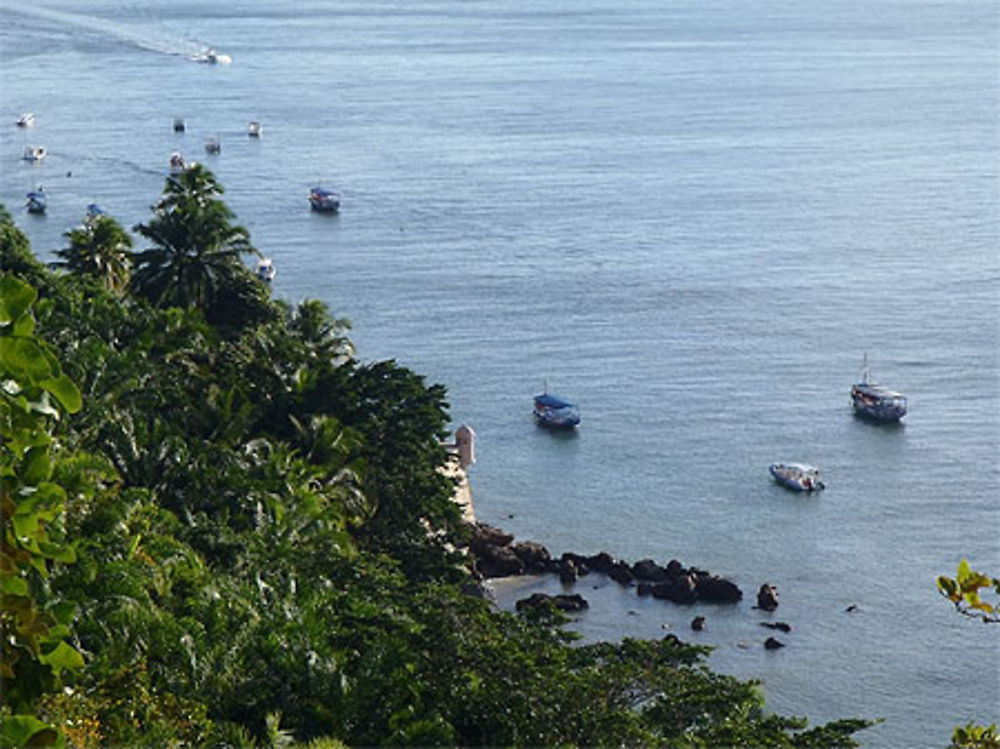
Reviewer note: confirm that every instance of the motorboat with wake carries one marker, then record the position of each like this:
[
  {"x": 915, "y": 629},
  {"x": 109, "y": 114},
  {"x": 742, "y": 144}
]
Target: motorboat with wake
[
  {"x": 798, "y": 477},
  {"x": 323, "y": 200},
  {"x": 554, "y": 411},
  {"x": 875, "y": 402},
  {"x": 212, "y": 57},
  {"x": 36, "y": 200}
]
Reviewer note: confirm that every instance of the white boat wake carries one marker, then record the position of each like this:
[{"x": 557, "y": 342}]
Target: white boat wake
[{"x": 137, "y": 36}]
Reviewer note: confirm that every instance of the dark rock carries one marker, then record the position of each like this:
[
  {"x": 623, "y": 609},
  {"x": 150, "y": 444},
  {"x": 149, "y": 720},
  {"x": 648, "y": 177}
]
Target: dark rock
[
  {"x": 620, "y": 573},
  {"x": 647, "y": 569},
  {"x": 534, "y": 556},
  {"x": 767, "y": 597},
  {"x": 786, "y": 628},
  {"x": 675, "y": 569},
  {"x": 772, "y": 644},
  {"x": 698, "y": 623},
  {"x": 579, "y": 562},
  {"x": 715, "y": 589},
  {"x": 477, "y": 590},
  {"x": 678, "y": 590},
  {"x": 574, "y": 602},
  {"x": 602, "y": 562},
  {"x": 499, "y": 561},
  {"x": 644, "y": 589},
  {"x": 566, "y": 571},
  {"x": 484, "y": 536}
]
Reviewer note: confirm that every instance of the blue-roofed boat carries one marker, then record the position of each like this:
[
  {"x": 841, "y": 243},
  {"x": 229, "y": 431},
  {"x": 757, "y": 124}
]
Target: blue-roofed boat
[
  {"x": 555, "y": 411},
  {"x": 36, "y": 202},
  {"x": 94, "y": 210},
  {"x": 875, "y": 402},
  {"x": 798, "y": 477},
  {"x": 323, "y": 200}
]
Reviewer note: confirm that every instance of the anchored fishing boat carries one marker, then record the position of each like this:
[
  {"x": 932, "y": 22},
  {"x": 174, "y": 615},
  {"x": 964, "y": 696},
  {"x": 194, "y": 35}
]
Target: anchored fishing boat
[
  {"x": 555, "y": 411},
  {"x": 875, "y": 402}
]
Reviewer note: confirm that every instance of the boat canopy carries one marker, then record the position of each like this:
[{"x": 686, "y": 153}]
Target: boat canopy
[
  {"x": 322, "y": 192},
  {"x": 549, "y": 400}
]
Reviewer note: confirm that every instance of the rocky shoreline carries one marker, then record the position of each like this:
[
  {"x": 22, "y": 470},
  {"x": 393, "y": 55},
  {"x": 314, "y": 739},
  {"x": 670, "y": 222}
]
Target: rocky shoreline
[{"x": 496, "y": 554}]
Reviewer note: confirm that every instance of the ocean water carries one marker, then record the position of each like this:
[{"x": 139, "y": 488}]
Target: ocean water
[{"x": 694, "y": 218}]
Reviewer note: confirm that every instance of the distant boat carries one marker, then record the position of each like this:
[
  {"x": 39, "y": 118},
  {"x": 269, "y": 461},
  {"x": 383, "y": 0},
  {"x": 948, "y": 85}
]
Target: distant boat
[
  {"x": 94, "y": 210},
  {"x": 797, "y": 476},
  {"x": 323, "y": 200},
  {"x": 255, "y": 129},
  {"x": 212, "y": 57},
  {"x": 26, "y": 120},
  {"x": 265, "y": 270},
  {"x": 874, "y": 401},
  {"x": 34, "y": 153},
  {"x": 36, "y": 201},
  {"x": 555, "y": 411},
  {"x": 179, "y": 125},
  {"x": 177, "y": 163},
  {"x": 213, "y": 146}
]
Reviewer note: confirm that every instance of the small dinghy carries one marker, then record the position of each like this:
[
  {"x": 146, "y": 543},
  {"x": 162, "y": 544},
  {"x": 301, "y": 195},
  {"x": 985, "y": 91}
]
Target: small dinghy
[
  {"x": 36, "y": 201},
  {"x": 26, "y": 120},
  {"x": 255, "y": 129},
  {"x": 213, "y": 146},
  {"x": 265, "y": 270},
  {"x": 323, "y": 200},
  {"x": 179, "y": 125},
  {"x": 177, "y": 163},
  {"x": 798, "y": 477},
  {"x": 95, "y": 211}
]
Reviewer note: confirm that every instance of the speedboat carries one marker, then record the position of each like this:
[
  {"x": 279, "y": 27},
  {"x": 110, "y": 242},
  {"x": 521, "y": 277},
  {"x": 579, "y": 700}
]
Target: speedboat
[
  {"x": 213, "y": 145},
  {"x": 26, "y": 120},
  {"x": 212, "y": 57},
  {"x": 323, "y": 200},
  {"x": 255, "y": 129},
  {"x": 874, "y": 401},
  {"x": 36, "y": 201},
  {"x": 34, "y": 153},
  {"x": 797, "y": 476},
  {"x": 555, "y": 411},
  {"x": 179, "y": 125},
  {"x": 265, "y": 270}
]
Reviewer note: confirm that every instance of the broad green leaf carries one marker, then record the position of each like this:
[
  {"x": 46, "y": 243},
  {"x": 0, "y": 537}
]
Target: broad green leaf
[
  {"x": 24, "y": 359},
  {"x": 61, "y": 658},
  {"x": 17, "y": 730},
  {"x": 13, "y": 586},
  {"x": 16, "y": 298},
  {"x": 35, "y": 466},
  {"x": 65, "y": 391}
]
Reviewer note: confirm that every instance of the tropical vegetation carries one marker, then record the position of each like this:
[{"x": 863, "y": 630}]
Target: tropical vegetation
[{"x": 222, "y": 529}]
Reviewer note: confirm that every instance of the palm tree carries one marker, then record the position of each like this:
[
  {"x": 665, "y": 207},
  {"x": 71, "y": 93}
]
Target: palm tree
[
  {"x": 101, "y": 248},
  {"x": 196, "y": 249}
]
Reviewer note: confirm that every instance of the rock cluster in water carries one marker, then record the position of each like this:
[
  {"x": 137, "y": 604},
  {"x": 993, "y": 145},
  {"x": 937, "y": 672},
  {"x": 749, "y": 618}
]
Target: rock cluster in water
[{"x": 496, "y": 554}]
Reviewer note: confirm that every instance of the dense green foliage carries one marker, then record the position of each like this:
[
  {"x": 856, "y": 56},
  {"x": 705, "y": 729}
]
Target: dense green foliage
[{"x": 258, "y": 542}]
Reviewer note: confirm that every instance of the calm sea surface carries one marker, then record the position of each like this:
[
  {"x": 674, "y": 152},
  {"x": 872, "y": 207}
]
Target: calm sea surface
[{"x": 692, "y": 217}]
